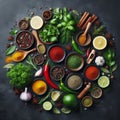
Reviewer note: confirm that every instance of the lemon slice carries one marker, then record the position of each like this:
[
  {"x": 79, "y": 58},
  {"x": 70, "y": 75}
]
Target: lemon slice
[
  {"x": 36, "y": 22},
  {"x": 99, "y": 42},
  {"x": 47, "y": 106},
  {"x": 103, "y": 81}
]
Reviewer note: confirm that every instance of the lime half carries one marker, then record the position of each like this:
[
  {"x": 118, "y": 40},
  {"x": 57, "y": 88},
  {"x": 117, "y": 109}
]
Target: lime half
[
  {"x": 47, "y": 105},
  {"x": 103, "y": 81}
]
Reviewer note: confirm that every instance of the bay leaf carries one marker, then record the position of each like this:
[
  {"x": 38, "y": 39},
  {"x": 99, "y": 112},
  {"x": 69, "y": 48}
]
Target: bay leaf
[
  {"x": 114, "y": 67},
  {"x": 8, "y": 66},
  {"x": 10, "y": 50},
  {"x": 105, "y": 70}
]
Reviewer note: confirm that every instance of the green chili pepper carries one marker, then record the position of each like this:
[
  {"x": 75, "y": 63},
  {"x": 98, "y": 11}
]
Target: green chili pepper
[
  {"x": 75, "y": 46},
  {"x": 64, "y": 88}
]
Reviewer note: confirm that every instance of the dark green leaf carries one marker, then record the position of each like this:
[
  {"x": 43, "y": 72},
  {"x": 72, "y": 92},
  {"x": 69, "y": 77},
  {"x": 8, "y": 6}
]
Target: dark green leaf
[
  {"x": 105, "y": 70},
  {"x": 10, "y": 50}
]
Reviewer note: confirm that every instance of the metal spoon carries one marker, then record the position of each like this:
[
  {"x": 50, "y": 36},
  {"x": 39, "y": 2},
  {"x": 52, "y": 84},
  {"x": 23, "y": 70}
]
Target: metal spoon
[
  {"x": 40, "y": 46},
  {"x": 83, "y": 37}
]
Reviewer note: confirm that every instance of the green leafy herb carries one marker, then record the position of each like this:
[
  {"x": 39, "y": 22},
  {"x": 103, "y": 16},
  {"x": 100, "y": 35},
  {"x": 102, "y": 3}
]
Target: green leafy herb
[
  {"x": 20, "y": 75},
  {"x": 10, "y": 50},
  {"x": 30, "y": 62},
  {"x": 105, "y": 70},
  {"x": 14, "y": 31},
  {"x": 56, "y": 111},
  {"x": 65, "y": 22},
  {"x": 49, "y": 33},
  {"x": 98, "y": 31},
  {"x": 8, "y": 66}
]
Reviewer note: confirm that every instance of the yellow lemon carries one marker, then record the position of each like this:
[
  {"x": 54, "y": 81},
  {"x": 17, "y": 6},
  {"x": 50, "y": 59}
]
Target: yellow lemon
[{"x": 99, "y": 42}]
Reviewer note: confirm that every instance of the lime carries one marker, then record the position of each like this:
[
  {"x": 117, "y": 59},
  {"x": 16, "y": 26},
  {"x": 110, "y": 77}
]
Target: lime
[
  {"x": 47, "y": 105},
  {"x": 103, "y": 81},
  {"x": 70, "y": 100}
]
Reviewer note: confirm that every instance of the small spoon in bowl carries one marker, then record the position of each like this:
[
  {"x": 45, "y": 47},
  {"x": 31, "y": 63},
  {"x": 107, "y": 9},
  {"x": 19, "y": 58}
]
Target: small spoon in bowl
[
  {"x": 40, "y": 46},
  {"x": 83, "y": 37}
]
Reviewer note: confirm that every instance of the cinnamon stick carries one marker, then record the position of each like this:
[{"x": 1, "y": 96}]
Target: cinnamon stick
[
  {"x": 83, "y": 18},
  {"x": 84, "y": 91},
  {"x": 85, "y": 24}
]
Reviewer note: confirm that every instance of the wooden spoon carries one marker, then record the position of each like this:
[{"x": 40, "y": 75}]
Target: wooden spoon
[
  {"x": 40, "y": 46},
  {"x": 83, "y": 37},
  {"x": 21, "y": 57}
]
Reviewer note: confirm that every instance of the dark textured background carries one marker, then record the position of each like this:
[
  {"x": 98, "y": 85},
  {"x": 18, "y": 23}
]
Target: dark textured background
[{"x": 11, "y": 108}]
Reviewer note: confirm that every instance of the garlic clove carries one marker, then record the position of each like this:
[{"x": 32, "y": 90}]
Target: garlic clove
[{"x": 39, "y": 72}]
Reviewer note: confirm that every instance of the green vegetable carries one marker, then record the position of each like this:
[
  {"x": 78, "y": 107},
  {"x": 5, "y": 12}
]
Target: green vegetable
[
  {"x": 8, "y": 66},
  {"x": 14, "y": 31},
  {"x": 98, "y": 31},
  {"x": 10, "y": 50},
  {"x": 20, "y": 75},
  {"x": 75, "y": 47},
  {"x": 114, "y": 68},
  {"x": 30, "y": 62}
]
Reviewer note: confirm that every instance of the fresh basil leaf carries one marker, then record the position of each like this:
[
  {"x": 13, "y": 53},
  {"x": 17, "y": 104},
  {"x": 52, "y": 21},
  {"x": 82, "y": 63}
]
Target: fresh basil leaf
[
  {"x": 105, "y": 70},
  {"x": 112, "y": 63},
  {"x": 114, "y": 67},
  {"x": 10, "y": 50}
]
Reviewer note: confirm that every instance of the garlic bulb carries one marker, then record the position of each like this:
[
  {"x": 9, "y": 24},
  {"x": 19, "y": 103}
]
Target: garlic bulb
[
  {"x": 25, "y": 96},
  {"x": 39, "y": 72},
  {"x": 99, "y": 61}
]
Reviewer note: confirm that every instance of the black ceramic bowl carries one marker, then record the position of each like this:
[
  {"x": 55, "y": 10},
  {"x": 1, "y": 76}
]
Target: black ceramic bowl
[{"x": 24, "y": 40}]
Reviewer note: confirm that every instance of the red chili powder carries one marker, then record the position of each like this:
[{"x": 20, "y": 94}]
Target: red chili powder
[
  {"x": 92, "y": 73},
  {"x": 56, "y": 53}
]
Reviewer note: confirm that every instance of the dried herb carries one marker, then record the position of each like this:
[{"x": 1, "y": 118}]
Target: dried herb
[{"x": 10, "y": 50}]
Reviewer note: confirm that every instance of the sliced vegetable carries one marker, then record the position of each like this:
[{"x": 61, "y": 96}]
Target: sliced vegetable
[
  {"x": 10, "y": 50},
  {"x": 47, "y": 105},
  {"x": 66, "y": 110},
  {"x": 56, "y": 111},
  {"x": 55, "y": 95}
]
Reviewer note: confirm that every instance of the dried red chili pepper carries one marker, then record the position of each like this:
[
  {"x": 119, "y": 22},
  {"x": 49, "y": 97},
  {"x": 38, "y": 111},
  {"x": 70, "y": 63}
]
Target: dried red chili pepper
[{"x": 47, "y": 77}]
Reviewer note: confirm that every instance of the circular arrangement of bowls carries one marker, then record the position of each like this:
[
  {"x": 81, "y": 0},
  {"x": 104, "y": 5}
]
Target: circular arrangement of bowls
[
  {"x": 56, "y": 53},
  {"x": 88, "y": 39},
  {"x": 74, "y": 62},
  {"x": 24, "y": 40},
  {"x": 74, "y": 82}
]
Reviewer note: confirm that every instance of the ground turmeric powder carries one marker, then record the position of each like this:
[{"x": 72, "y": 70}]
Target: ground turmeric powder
[{"x": 18, "y": 56}]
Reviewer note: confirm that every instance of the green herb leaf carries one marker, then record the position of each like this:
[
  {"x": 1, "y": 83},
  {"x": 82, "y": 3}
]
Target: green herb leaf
[
  {"x": 99, "y": 30},
  {"x": 105, "y": 70},
  {"x": 56, "y": 111},
  {"x": 8, "y": 66},
  {"x": 14, "y": 31},
  {"x": 114, "y": 68},
  {"x": 10, "y": 50},
  {"x": 75, "y": 12}
]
